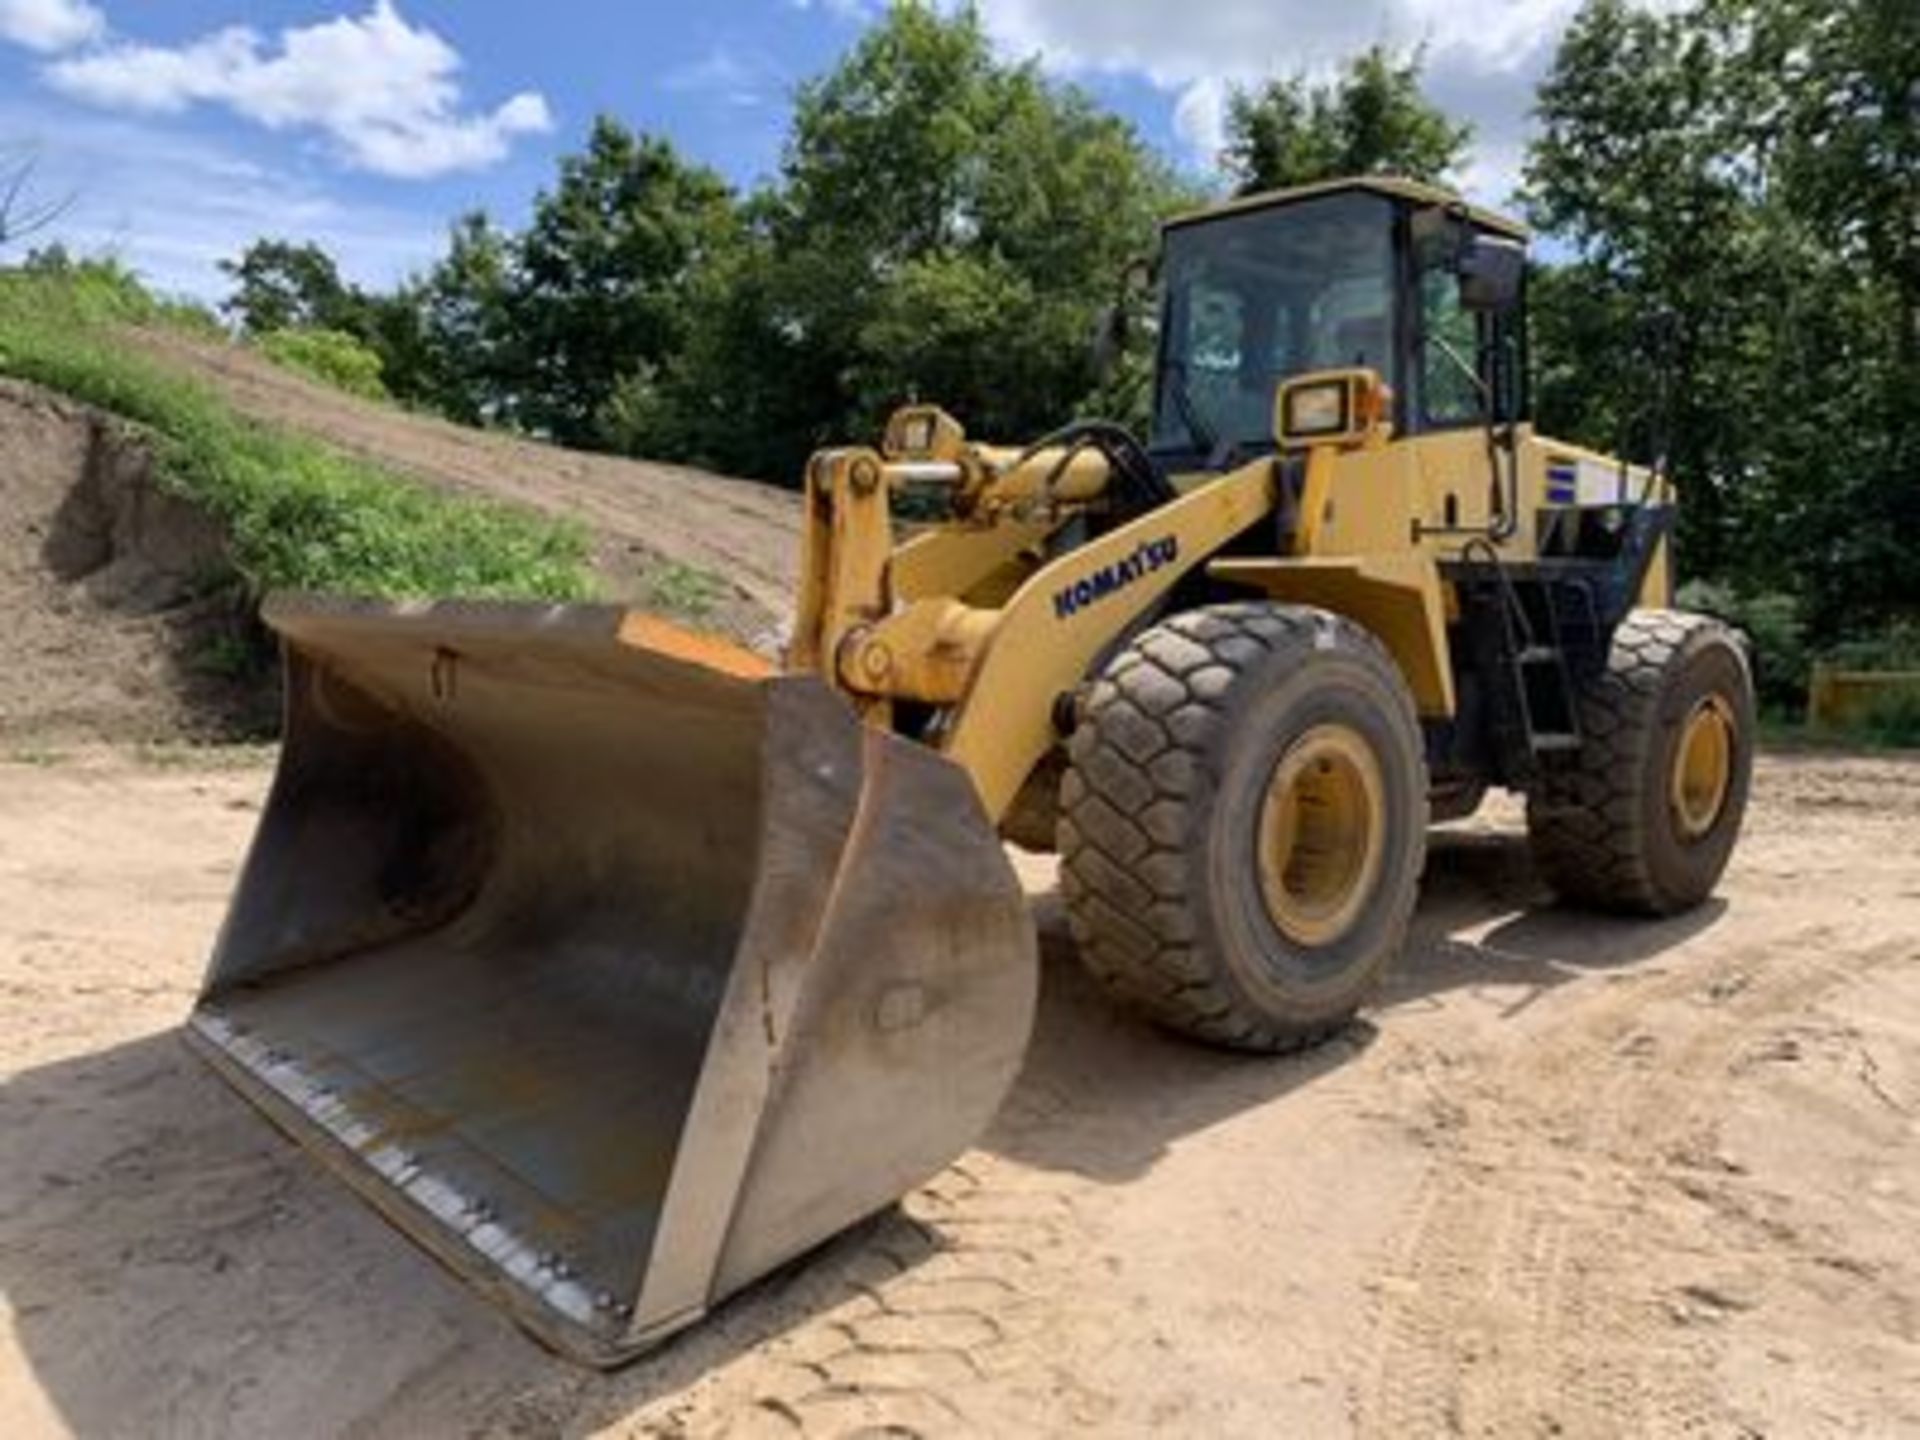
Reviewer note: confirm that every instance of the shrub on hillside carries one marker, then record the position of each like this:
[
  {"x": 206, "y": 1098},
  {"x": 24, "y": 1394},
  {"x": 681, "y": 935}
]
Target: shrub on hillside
[{"x": 332, "y": 357}]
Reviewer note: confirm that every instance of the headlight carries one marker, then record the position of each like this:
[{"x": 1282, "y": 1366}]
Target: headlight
[
  {"x": 923, "y": 432},
  {"x": 1316, "y": 410},
  {"x": 1332, "y": 407},
  {"x": 916, "y": 435}
]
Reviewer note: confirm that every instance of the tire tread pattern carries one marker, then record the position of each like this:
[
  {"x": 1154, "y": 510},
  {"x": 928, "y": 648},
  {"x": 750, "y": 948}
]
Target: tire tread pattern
[
  {"x": 1139, "y": 771},
  {"x": 1586, "y": 821}
]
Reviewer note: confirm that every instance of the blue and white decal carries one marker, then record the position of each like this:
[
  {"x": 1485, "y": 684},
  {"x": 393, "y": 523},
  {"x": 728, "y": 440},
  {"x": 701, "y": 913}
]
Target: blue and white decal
[
  {"x": 1148, "y": 556},
  {"x": 1583, "y": 480},
  {"x": 1563, "y": 482}
]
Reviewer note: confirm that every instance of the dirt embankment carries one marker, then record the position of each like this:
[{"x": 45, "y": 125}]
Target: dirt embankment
[
  {"x": 107, "y": 634},
  {"x": 1572, "y": 1176},
  {"x": 106, "y": 626},
  {"x": 743, "y": 533}
]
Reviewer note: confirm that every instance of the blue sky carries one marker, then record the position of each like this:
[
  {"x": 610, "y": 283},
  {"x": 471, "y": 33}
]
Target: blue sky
[{"x": 184, "y": 128}]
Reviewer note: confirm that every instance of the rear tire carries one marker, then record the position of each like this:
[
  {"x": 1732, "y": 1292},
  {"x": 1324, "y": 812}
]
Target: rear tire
[
  {"x": 1243, "y": 823},
  {"x": 1642, "y": 819}
]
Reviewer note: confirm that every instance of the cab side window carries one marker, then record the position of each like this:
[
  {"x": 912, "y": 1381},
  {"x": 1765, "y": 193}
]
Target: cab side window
[{"x": 1449, "y": 354}]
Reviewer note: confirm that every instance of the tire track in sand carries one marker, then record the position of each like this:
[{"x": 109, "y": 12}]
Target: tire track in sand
[
  {"x": 1529, "y": 1296},
  {"x": 942, "y": 1302}
]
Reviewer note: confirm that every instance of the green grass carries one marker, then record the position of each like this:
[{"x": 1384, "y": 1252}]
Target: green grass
[
  {"x": 683, "y": 590},
  {"x": 299, "y": 515},
  {"x": 227, "y": 655},
  {"x": 328, "y": 356}
]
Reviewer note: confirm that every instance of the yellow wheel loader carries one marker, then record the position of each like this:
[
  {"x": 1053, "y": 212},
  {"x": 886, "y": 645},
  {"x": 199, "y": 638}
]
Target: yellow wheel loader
[{"x": 618, "y": 966}]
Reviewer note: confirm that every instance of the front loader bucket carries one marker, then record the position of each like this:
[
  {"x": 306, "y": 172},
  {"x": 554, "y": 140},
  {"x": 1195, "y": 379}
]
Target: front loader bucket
[{"x": 611, "y": 966}]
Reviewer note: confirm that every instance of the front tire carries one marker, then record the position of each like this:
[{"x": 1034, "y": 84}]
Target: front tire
[
  {"x": 1244, "y": 823},
  {"x": 1643, "y": 817}
]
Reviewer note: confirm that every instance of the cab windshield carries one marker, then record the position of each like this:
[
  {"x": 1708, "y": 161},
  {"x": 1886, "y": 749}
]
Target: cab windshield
[{"x": 1253, "y": 299}]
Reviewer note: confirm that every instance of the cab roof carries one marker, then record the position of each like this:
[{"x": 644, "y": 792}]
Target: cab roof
[{"x": 1389, "y": 186}]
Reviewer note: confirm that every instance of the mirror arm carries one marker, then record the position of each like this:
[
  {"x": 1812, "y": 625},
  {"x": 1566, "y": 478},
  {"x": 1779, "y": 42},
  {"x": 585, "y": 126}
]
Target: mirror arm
[{"x": 1506, "y": 489}]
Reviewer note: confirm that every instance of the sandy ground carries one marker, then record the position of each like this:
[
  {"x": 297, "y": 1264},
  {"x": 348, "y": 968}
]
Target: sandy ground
[{"x": 1571, "y": 1177}]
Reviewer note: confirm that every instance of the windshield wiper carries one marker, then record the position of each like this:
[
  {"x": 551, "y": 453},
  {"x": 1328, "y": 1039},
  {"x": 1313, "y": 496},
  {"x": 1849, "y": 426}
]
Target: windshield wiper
[{"x": 1198, "y": 431}]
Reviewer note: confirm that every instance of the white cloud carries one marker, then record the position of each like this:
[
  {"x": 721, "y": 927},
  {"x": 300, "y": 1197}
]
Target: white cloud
[
  {"x": 1176, "y": 45},
  {"x": 1200, "y": 119},
  {"x": 50, "y": 25},
  {"x": 174, "y": 206},
  {"x": 385, "y": 93},
  {"x": 742, "y": 80},
  {"x": 1483, "y": 56}
]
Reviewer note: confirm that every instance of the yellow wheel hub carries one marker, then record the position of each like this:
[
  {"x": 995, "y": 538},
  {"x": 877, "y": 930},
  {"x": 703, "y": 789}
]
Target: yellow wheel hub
[
  {"x": 1322, "y": 834},
  {"x": 1702, "y": 767}
]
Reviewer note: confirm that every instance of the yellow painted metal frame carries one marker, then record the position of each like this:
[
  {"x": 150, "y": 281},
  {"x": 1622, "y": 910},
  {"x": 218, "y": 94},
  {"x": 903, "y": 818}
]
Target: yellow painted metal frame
[
  {"x": 846, "y": 545},
  {"x": 1400, "y": 598},
  {"x": 958, "y": 560},
  {"x": 1389, "y": 186},
  {"x": 989, "y": 620},
  {"x": 883, "y": 624},
  {"x": 1004, "y": 725}
]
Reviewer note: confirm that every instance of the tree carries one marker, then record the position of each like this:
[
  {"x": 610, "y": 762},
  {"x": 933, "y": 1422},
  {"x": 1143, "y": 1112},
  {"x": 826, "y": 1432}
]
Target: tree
[
  {"x": 946, "y": 227},
  {"x": 1627, "y": 168},
  {"x": 1833, "y": 107},
  {"x": 1375, "y": 119},
  {"x": 472, "y": 366},
  {"x": 21, "y": 212},
  {"x": 597, "y": 288},
  {"x": 393, "y": 327},
  {"x": 1745, "y": 171},
  {"x": 284, "y": 285}
]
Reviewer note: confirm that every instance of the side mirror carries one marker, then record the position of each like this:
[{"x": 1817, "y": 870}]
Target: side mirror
[
  {"x": 1113, "y": 326},
  {"x": 1110, "y": 330},
  {"x": 1492, "y": 269}
]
